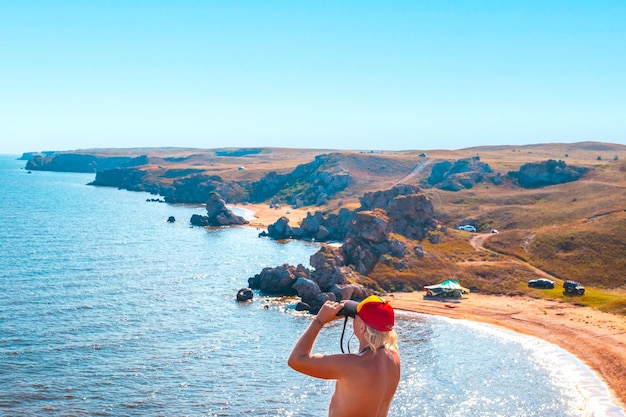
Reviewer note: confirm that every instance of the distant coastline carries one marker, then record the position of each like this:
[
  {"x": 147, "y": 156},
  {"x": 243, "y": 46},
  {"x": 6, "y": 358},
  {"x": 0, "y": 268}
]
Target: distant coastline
[{"x": 548, "y": 201}]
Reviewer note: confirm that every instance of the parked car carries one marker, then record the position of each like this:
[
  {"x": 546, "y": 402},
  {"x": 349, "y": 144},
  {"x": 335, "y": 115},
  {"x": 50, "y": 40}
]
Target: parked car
[
  {"x": 573, "y": 287},
  {"x": 494, "y": 231},
  {"x": 541, "y": 283},
  {"x": 467, "y": 228}
]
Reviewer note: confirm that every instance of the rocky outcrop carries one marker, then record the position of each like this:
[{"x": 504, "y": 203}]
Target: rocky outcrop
[
  {"x": 318, "y": 227},
  {"x": 308, "y": 184},
  {"x": 245, "y": 294},
  {"x": 408, "y": 212},
  {"x": 195, "y": 189},
  {"x": 126, "y": 178},
  {"x": 75, "y": 162},
  {"x": 330, "y": 227},
  {"x": 217, "y": 214},
  {"x": 381, "y": 199},
  {"x": 279, "y": 280},
  {"x": 369, "y": 241},
  {"x": 458, "y": 175},
  {"x": 330, "y": 280},
  {"x": 280, "y": 230},
  {"x": 369, "y": 238},
  {"x": 411, "y": 216},
  {"x": 550, "y": 172}
]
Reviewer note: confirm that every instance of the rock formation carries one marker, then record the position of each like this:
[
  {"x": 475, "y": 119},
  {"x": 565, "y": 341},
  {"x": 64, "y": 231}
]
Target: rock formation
[
  {"x": 408, "y": 212},
  {"x": 279, "y": 280},
  {"x": 195, "y": 188},
  {"x": 308, "y": 184},
  {"x": 330, "y": 280},
  {"x": 126, "y": 178},
  {"x": 550, "y": 172},
  {"x": 317, "y": 226},
  {"x": 368, "y": 238},
  {"x": 245, "y": 294},
  {"x": 217, "y": 214},
  {"x": 463, "y": 173}
]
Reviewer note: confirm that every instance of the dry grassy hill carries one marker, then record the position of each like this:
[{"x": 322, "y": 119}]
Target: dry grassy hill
[{"x": 575, "y": 230}]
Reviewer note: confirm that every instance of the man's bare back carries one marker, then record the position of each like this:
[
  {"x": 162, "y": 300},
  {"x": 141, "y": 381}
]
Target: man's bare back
[
  {"x": 369, "y": 391},
  {"x": 366, "y": 382}
]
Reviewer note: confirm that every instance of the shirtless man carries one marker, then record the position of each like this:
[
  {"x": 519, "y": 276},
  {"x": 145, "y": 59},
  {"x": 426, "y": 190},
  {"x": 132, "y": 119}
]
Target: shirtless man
[{"x": 366, "y": 381}]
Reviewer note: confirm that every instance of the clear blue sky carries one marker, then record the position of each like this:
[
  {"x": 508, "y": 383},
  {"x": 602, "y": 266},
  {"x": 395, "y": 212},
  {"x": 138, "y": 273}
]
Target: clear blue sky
[{"x": 323, "y": 74}]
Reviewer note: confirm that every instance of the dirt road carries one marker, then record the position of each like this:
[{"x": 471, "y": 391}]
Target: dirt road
[{"x": 478, "y": 240}]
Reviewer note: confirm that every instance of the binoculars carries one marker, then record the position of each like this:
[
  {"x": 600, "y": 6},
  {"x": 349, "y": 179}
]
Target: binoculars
[{"x": 349, "y": 309}]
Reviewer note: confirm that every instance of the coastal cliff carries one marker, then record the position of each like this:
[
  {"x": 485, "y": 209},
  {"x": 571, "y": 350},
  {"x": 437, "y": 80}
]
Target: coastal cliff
[
  {"x": 74, "y": 162},
  {"x": 557, "y": 207}
]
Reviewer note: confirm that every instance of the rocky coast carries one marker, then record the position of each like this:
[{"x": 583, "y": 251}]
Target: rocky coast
[
  {"x": 547, "y": 210},
  {"x": 596, "y": 338}
]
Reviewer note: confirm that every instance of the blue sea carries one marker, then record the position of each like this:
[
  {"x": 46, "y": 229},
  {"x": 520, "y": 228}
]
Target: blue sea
[{"x": 106, "y": 309}]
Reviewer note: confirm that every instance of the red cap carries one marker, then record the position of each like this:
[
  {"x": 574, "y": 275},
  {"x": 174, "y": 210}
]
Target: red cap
[{"x": 376, "y": 313}]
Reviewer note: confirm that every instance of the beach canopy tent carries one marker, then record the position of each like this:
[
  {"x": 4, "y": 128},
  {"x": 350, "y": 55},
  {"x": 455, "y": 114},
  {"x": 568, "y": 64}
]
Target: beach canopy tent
[{"x": 449, "y": 288}]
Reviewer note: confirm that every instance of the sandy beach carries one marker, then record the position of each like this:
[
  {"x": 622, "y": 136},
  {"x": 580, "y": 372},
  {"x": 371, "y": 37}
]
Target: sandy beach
[
  {"x": 262, "y": 215},
  {"x": 596, "y": 338}
]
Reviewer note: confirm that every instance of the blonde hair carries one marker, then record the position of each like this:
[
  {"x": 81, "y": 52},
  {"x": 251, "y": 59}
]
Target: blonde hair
[{"x": 376, "y": 340}]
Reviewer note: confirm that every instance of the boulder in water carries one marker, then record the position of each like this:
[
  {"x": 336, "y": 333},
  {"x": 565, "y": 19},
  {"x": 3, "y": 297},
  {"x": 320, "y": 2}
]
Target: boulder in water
[{"x": 244, "y": 294}]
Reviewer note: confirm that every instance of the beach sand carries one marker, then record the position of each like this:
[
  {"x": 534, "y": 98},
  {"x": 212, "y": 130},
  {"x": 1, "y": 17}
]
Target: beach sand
[
  {"x": 262, "y": 215},
  {"x": 598, "y": 339}
]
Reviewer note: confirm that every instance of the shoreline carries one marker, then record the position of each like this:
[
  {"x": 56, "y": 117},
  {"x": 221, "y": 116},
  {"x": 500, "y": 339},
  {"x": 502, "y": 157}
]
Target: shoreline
[
  {"x": 597, "y": 339},
  {"x": 262, "y": 215}
]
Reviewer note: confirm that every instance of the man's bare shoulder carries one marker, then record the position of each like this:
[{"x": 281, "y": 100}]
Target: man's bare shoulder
[{"x": 356, "y": 394}]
